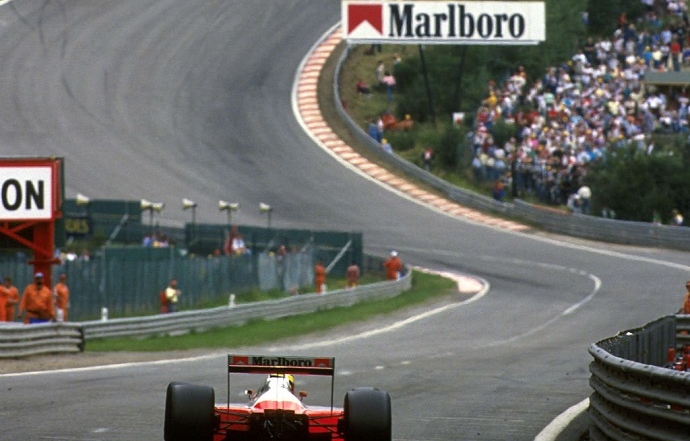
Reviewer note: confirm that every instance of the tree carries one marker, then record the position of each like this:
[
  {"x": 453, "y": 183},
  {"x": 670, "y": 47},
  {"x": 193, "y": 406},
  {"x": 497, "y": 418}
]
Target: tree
[{"x": 635, "y": 184}]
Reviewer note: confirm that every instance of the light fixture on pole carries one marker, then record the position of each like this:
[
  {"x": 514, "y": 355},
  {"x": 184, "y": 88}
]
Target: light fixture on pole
[
  {"x": 151, "y": 207},
  {"x": 265, "y": 208},
  {"x": 186, "y": 205},
  {"x": 229, "y": 207},
  {"x": 148, "y": 206},
  {"x": 82, "y": 200}
]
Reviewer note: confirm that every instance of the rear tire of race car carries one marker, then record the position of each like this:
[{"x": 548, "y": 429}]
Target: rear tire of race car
[
  {"x": 367, "y": 415},
  {"x": 189, "y": 412}
]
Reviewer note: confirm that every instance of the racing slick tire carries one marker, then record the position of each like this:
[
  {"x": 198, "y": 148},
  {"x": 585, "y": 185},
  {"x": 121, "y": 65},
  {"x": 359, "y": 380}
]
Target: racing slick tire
[
  {"x": 189, "y": 412},
  {"x": 367, "y": 415}
]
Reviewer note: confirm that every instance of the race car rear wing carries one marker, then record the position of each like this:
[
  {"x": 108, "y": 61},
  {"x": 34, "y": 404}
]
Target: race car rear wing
[
  {"x": 261, "y": 364},
  {"x": 272, "y": 364}
]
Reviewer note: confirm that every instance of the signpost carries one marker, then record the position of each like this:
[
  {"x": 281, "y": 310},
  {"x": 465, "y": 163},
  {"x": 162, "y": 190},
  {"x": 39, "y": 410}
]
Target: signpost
[
  {"x": 31, "y": 192},
  {"x": 25, "y": 193}
]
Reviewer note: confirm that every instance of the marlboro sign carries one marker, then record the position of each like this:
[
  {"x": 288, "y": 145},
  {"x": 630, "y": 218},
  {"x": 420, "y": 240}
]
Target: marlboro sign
[{"x": 426, "y": 22}]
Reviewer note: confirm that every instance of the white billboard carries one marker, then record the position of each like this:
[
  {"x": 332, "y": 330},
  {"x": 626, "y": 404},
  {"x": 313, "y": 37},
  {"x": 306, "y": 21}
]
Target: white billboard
[
  {"x": 26, "y": 192},
  {"x": 437, "y": 22}
]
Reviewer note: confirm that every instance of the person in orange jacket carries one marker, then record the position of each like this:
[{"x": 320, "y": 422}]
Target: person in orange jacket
[
  {"x": 685, "y": 309},
  {"x": 163, "y": 298},
  {"x": 12, "y": 298},
  {"x": 319, "y": 276},
  {"x": 352, "y": 275},
  {"x": 61, "y": 291},
  {"x": 393, "y": 266},
  {"x": 37, "y": 302},
  {"x": 4, "y": 295}
]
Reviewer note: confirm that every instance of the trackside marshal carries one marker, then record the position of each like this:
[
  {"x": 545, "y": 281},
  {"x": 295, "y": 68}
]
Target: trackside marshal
[
  {"x": 426, "y": 22},
  {"x": 26, "y": 192}
]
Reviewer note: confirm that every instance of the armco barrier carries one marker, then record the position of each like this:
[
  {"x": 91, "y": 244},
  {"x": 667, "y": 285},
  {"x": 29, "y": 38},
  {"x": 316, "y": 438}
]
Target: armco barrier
[
  {"x": 18, "y": 340},
  {"x": 635, "y": 397},
  {"x": 589, "y": 227},
  {"x": 186, "y": 321}
]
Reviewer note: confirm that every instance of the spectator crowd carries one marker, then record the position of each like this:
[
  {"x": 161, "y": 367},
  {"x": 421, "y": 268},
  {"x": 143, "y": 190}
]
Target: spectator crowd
[{"x": 575, "y": 113}]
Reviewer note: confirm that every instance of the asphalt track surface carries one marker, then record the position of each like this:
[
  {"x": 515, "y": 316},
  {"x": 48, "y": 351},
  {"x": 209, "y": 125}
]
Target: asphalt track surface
[{"x": 167, "y": 100}]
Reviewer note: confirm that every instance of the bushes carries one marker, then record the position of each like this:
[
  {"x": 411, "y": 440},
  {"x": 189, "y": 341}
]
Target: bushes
[
  {"x": 635, "y": 184},
  {"x": 400, "y": 140}
]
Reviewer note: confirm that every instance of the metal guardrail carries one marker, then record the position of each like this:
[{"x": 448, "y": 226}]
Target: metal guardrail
[
  {"x": 635, "y": 397},
  {"x": 18, "y": 340},
  {"x": 597, "y": 228},
  {"x": 588, "y": 227},
  {"x": 682, "y": 331},
  {"x": 200, "y": 320}
]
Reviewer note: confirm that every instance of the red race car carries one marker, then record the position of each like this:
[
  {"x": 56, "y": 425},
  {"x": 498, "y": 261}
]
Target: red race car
[{"x": 275, "y": 412}]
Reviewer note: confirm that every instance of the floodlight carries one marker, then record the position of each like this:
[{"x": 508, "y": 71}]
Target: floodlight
[
  {"x": 186, "y": 204},
  {"x": 82, "y": 200},
  {"x": 230, "y": 206}
]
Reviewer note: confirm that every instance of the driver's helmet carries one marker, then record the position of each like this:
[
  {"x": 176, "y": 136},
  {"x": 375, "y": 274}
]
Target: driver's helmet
[{"x": 282, "y": 380}]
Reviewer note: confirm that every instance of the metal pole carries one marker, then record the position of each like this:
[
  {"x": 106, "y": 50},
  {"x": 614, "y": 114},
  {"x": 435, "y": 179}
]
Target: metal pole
[
  {"x": 432, "y": 113},
  {"x": 458, "y": 78},
  {"x": 194, "y": 224},
  {"x": 338, "y": 256}
]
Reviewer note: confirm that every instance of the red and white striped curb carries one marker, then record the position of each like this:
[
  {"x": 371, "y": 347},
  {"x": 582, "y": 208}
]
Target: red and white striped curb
[{"x": 308, "y": 106}]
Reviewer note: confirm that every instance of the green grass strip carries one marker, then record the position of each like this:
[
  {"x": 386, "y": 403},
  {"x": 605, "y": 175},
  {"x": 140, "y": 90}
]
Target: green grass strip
[{"x": 425, "y": 287}]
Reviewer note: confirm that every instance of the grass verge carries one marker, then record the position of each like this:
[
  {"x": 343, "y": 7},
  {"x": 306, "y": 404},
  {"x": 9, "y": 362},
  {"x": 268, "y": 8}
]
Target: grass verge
[
  {"x": 363, "y": 108},
  {"x": 425, "y": 287}
]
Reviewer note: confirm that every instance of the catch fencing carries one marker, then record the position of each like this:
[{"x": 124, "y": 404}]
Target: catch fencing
[
  {"x": 641, "y": 387},
  {"x": 127, "y": 280},
  {"x": 18, "y": 340},
  {"x": 572, "y": 224}
]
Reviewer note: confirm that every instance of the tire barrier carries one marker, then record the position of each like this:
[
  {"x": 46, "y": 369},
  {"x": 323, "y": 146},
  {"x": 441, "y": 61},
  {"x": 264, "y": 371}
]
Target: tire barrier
[
  {"x": 18, "y": 340},
  {"x": 640, "y": 391}
]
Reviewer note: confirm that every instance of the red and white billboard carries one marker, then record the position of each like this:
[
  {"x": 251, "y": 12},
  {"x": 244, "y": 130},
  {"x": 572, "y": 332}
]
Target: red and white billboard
[
  {"x": 437, "y": 22},
  {"x": 29, "y": 189}
]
